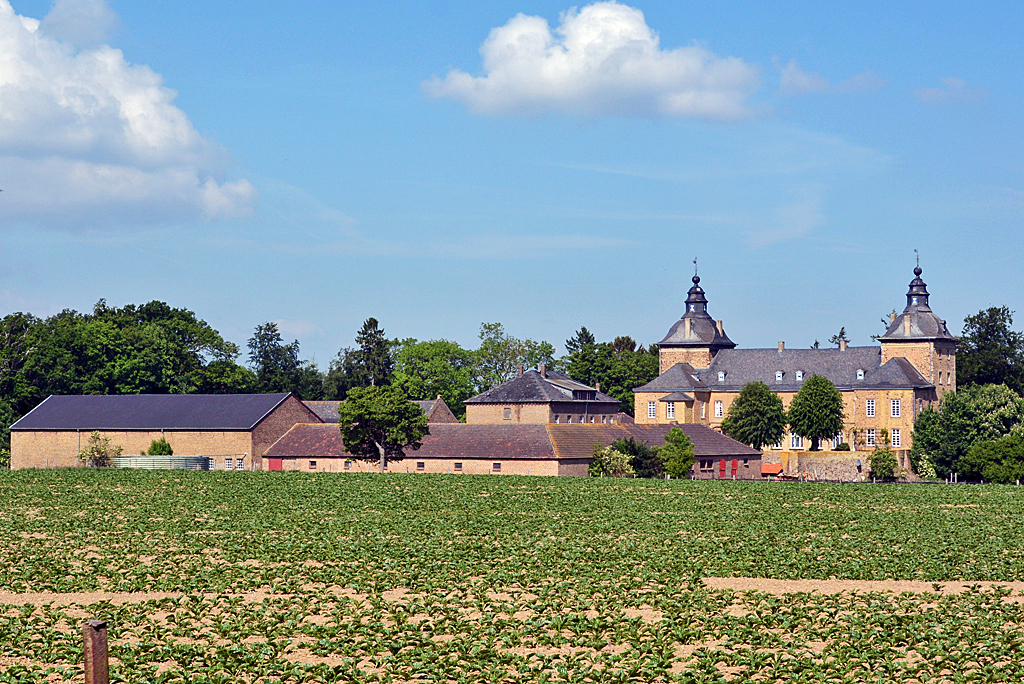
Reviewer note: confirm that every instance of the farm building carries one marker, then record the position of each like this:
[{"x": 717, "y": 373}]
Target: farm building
[
  {"x": 510, "y": 449},
  {"x": 541, "y": 396},
  {"x": 234, "y": 429},
  {"x": 436, "y": 409}
]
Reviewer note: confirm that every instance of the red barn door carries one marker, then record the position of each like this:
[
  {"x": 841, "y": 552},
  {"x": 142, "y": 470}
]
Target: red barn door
[{"x": 274, "y": 463}]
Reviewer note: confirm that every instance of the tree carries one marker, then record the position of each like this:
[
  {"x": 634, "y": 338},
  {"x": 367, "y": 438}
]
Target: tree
[
  {"x": 973, "y": 414},
  {"x": 609, "y": 462},
  {"x": 581, "y": 340},
  {"x": 989, "y": 351},
  {"x": 882, "y": 463},
  {"x": 839, "y": 337},
  {"x": 380, "y": 423},
  {"x": 428, "y": 369},
  {"x": 499, "y": 356},
  {"x": 616, "y": 366},
  {"x": 274, "y": 362},
  {"x": 160, "y": 447},
  {"x": 817, "y": 411},
  {"x": 98, "y": 451},
  {"x": 928, "y": 439},
  {"x": 677, "y": 454},
  {"x": 374, "y": 353},
  {"x": 756, "y": 417},
  {"x": 816, "y": 345},
  {"x": 1000, "y": 460},
  {"x": 643, "y": 460}
]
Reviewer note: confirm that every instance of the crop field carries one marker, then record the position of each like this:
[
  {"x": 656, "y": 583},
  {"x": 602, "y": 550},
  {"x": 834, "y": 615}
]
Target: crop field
[{"x": 274, "y": 577}]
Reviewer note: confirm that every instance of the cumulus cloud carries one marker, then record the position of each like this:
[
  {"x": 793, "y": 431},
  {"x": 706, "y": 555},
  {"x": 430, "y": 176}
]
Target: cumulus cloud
[
  {"x": 602, "y": 59},
  {"x": 86, "y": 137},
  {"x": 794, "y": 80},
  {"x": 952, "y": 90}
]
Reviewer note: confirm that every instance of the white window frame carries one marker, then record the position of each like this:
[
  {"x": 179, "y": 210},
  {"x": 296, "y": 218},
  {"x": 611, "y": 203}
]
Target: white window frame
[
  {"x": 799, "y": 376},
  {"x": 778, "y": 376},
  {"x": 837, "y": 440},
  {"x": 869, "y": 408},
  {"x": 670, "y": 410},
  {"x": 703, "y": 410},
  {"x": 869, "y": 437},
  {"x": 721, "y": 376},
  {"x": 719, "y": 409},
  {"x": 796, "y": 442},
  {"x": 229, "y": 464},
  {"x": 239, "y": 464},
  {"x": 896, "y": 439},
  {"x": 860, "y": 373},
  {"x": 894, "y": 407},
  {"x": 652, "y": 409}
]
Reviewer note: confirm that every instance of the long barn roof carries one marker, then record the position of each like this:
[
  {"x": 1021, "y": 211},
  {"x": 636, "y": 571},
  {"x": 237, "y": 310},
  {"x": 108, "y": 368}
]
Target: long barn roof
[{"x": 150, "y": 412}]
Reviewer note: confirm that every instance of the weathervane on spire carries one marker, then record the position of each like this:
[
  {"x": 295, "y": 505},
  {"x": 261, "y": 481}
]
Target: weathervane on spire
[
  {"x": 694, "y": 265},
  {"x": 918, "y": 256}
]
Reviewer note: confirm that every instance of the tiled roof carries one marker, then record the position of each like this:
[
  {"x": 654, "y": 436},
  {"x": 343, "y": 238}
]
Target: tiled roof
[
  {"x": 533, "y": 388},
  {"x": 437, "y": 411},
  {"x": 522, "y": 441},
  {"x": 150, "y": 412}
]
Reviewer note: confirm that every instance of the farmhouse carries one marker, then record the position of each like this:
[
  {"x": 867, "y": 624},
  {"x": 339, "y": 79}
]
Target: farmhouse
[
  {"x": 233, "y": 429},
  {"x": 511, "y": 449},
  {"x": 884, "y": 387}
]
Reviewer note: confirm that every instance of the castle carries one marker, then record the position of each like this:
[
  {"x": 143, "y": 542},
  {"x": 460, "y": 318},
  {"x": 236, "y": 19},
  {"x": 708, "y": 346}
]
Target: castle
[{"x": 883, "y": 387}]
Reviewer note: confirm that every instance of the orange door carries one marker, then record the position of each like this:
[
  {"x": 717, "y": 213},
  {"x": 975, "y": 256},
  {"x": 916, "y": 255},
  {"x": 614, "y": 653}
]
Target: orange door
[{"x": 274, "y": 463}]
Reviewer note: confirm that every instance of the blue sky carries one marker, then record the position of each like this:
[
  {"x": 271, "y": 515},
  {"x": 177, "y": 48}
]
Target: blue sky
[{"x": 439, "y": 164}]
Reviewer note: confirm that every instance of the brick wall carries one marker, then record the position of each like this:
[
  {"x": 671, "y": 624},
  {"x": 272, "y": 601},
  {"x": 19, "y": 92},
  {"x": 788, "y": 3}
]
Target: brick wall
[
  {"x": 410, "y": 464},
  {"x": 59, "y": 449},
  {"x": 281, "y": 420},
  {"x": 935, "y": 361},
  {"x": 697, "y": 357},
  {"x": 493, "y": 414}
]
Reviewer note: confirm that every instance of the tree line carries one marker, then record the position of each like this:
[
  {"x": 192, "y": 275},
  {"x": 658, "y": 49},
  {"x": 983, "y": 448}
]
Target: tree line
[{"x": 154, "y": 348}]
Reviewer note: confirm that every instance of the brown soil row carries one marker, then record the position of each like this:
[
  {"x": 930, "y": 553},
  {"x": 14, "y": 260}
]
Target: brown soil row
[{"x": 833, "y": 586}]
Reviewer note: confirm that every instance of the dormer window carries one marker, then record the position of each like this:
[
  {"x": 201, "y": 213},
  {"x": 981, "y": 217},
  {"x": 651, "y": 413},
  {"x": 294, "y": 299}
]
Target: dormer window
[
  {"x": 721, "y": 376},
  {"x": 799, "y": 376},
  {"x": 860, "y": 373},
  {"x": 915, "y": 300},
  {"x": 693, "y": 308},
  {"x": 778, "y": 376},
  {"x": 583, "y": 395}
]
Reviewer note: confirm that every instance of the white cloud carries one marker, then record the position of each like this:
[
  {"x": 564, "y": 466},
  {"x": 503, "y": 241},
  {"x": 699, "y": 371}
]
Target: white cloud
[
  {"x": 952, "y": 90},
  {"x": 602, "y": 59},
  {"x": 794, "y": 80},
  {"x": 86, "y": 137},
  {"x": 82, "y": 23}
]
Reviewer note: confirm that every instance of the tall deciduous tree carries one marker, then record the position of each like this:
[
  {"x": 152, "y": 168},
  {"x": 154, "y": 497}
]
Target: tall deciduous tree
[
  {"x": 989, "y": 351},
  {"x": 756, "y": 417},
  {"x": 380, "y": 423},
  {"x": 500, "y": 355},
  {"x": 425, "y": 370},
  {"x": 817, "y": 411},
  {"x": 618, "y": 366}
]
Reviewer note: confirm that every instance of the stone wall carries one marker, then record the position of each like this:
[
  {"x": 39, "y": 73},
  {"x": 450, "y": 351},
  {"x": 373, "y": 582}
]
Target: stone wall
[
  {"x": 59, "y": 449},
  {"x": 845, "y": 466}
]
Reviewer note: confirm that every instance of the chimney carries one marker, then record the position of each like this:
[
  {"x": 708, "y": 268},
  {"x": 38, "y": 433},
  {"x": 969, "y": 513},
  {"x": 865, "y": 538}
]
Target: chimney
[
  {"x": 597, "y": 386},
  {"x": 892, "y": 318},
  {"x": 543, "y": 371},
  {"x": 782, "y": 345},
  {"x": 721, "y": 328},
  {"x": 906, "y": 326},
  {"x": 687, "y": 327},
  {"x": 521, "y": 371},
  {"x": 842, "y": 345}
]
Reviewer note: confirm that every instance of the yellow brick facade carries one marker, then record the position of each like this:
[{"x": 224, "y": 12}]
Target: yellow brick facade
[
  {"x": 697, "y": 357},
  {"x": 935, "y": 361},
  {"x": 440, "y": 466},
  {"x": 539, "y": 414}
]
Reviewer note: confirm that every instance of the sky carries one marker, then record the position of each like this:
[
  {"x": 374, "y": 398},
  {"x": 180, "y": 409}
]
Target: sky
[{"x": 439, "y": 164}]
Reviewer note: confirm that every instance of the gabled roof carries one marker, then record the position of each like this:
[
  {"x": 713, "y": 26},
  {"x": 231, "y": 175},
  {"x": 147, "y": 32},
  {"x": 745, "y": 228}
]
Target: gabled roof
[
  {"x": 533, "y": 388},
  {"x": 151, "y": 412},
  {"x": 326, "y": 410},
  {"x": 518, "y": 441}
]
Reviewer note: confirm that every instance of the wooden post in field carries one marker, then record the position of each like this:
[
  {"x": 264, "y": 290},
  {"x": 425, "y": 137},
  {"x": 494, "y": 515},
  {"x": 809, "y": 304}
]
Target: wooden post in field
[{"x": 94, "y": 635}]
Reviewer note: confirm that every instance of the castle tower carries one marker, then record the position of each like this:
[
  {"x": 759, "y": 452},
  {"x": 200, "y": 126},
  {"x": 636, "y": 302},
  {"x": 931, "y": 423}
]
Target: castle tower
[
  {"x": 695, "y": 338},
  {"x": 921, "y": 337}
]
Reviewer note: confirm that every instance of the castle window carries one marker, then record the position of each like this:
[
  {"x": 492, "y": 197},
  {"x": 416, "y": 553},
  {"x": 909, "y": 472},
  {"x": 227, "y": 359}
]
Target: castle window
[
  {"x": 799, "y": 376},
  {"x": 458, "y": 466},
  {"x": 796, "y": 442},
  {"x": 915, "y": 300},
  {"x": 652, "y": 410},
  {"x": 896, "y": 441},
  {"x": 703, "y": 410},
  {"x": 312, "y": 465},
  {"x": 496, "y": 467},
  {"x": 837, "y": 440},
  {"x": 778, "y": 376},
  {"x": 869, "y": 437},
  {"x": 693, "y": 308},
  {"x": 895, "y": 408},
  {"x": 718, "y": 408},
  {"x": 860, "y": 373},
  {"x": 604, "y": 420},
  {"x": 421, "y": 465},
  {"x": 869, "y": 408},
  {"x": 229, "y": 464},
  {"x": 721, "y": 376},
  {"x": 508, "y": 414},
  {"x": 670, "y": 410}
]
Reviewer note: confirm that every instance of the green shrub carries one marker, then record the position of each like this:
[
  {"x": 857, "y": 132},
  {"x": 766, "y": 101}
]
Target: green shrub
[
  {"x": 160, "y": 447},
  {"x": 609, "y": 462},
  {"x": 843, "y": 446}
]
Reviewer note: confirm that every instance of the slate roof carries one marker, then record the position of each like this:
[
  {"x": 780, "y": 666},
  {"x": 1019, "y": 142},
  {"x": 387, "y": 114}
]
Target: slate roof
[
  {"x": 150, "y": 412},
  {"x": 918, "y": 321},
  {"x": 533, "y": 388},
  {"x": 521, "y": 441},
  {"x": 437, "y": 411},
  {"x": 703, "y": 330},
  {"x": 682, "y": 377}
]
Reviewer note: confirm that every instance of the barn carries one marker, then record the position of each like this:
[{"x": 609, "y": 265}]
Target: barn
[{"x": 233, "y": 429}]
